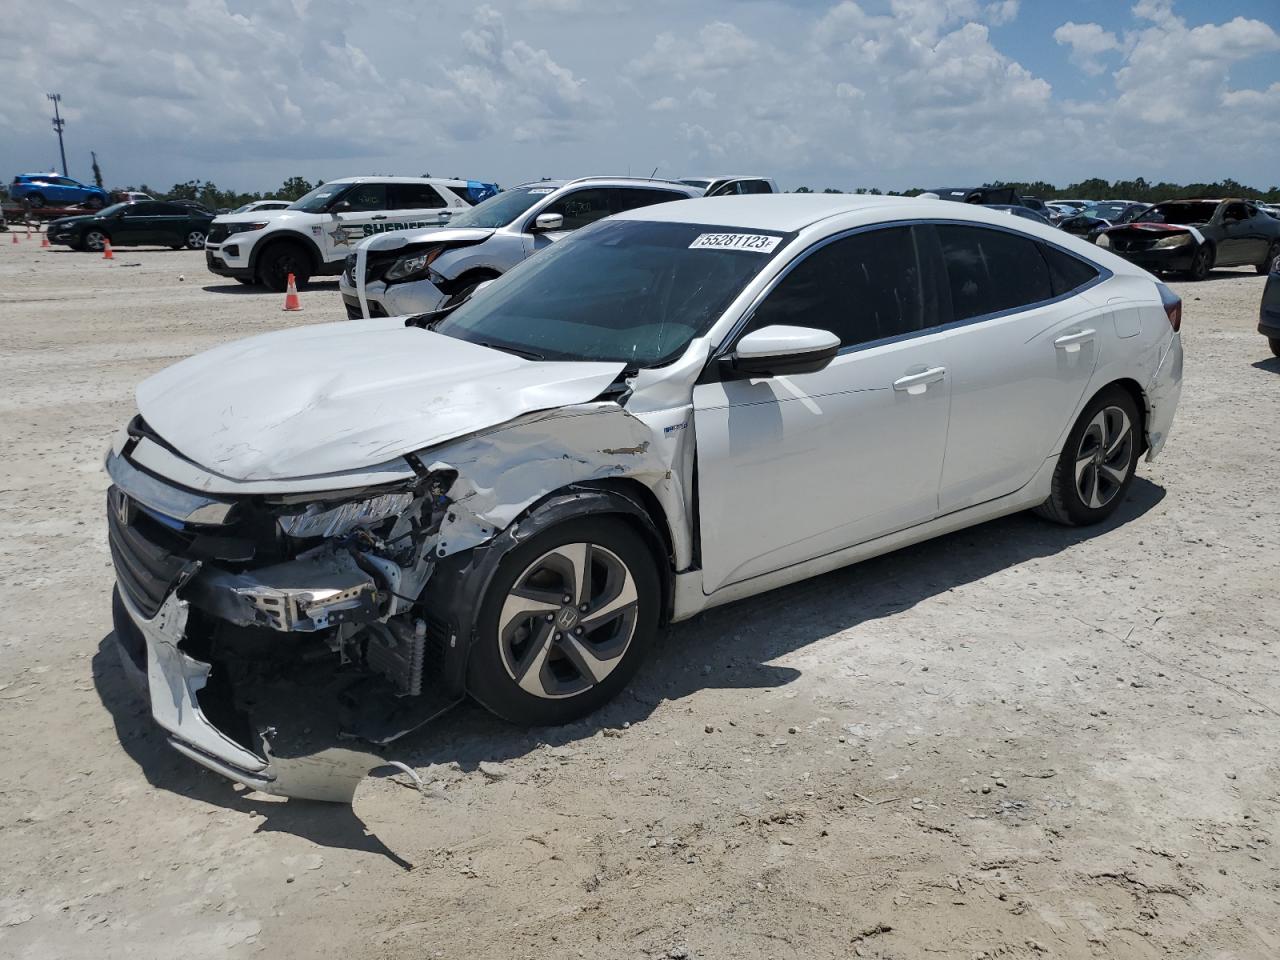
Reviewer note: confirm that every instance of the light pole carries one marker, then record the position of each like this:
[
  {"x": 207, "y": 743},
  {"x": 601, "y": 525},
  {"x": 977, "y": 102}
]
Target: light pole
[{"x": 58, "y": 124}]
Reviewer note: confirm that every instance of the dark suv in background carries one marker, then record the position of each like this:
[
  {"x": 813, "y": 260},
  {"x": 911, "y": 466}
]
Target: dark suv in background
[{"x": 157, "y": 223}]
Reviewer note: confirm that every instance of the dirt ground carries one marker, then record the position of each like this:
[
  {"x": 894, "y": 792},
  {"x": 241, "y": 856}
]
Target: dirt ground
[{"x": 1019, "y": 741}]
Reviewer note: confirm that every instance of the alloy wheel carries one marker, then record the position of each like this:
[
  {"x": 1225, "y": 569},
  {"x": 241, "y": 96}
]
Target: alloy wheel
[
  {"x": 1104, "y": 458},
  {"x": 94, "y": 239},
  {"x": 195, "y": 240},
  {"x": 567, "y": 621}
]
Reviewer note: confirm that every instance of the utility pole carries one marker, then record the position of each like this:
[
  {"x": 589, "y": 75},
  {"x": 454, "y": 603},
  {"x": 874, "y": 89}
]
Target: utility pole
[{"x": 58, "y": 124}]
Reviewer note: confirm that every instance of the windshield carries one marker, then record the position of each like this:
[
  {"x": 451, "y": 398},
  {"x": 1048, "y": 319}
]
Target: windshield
[
  {"x": 1182, "y": 212},
  {"x": 621, "y": 290},
  {"x": 700, "y": 182},
  {"x": 113, "y": 209},
  {"x": 318, "y": 200},
  {"x": 501, "y": 209}
]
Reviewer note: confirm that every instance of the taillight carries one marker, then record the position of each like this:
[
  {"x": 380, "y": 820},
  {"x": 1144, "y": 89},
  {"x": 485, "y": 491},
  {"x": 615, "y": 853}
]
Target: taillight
[{"x": 1172, "y": 306}]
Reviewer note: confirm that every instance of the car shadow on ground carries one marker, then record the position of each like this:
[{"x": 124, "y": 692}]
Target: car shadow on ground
[
  {"x": 235, "y": 287},
  {"x": 1271, "y": 364},
  {"x": 731, "y": 647}
]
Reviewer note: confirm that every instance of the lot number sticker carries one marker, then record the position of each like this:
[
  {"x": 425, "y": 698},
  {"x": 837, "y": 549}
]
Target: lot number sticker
[{"x": 755, "y": 242}]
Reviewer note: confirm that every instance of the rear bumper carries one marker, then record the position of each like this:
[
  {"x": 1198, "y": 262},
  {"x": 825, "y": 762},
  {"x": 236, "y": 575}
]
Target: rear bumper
[{"x": 1163, "y": 393}]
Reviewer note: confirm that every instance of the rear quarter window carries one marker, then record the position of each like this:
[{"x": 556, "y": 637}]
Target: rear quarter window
[{"x": 1067, "y": 273}]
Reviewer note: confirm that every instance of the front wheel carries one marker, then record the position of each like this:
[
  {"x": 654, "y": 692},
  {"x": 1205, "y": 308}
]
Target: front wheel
[
  {"x": 1201, "y": 263},
  {"x": 34, "y": 200},
  {"x": 1097, "y": 462},
  {"x": 565, "y": 623},
  {"x": 95, "y": 240},
  {"x": 94, "y": 203},
  {"x": 1270, "y": 263},
  {"x": 281, "y": 259},
  {"x": 195, "y": 240}
]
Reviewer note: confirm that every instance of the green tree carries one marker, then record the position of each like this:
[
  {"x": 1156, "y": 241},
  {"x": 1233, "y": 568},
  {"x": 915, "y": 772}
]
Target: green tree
[{"x": 295, "y": 187}]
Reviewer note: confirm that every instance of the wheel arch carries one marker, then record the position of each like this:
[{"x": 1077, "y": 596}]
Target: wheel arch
[
  {"x": 457, "y": 587},
  {"x": 291, "y": 236},
  {"x": 1140, "y": 400}
]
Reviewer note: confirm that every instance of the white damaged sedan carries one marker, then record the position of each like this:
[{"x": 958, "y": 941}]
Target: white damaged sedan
[{"x": 668, "y": 410}]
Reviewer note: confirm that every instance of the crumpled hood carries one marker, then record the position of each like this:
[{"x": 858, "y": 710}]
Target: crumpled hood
[
  {"x": 383, "y": 242},
  {"x": 343, "y": 396}
]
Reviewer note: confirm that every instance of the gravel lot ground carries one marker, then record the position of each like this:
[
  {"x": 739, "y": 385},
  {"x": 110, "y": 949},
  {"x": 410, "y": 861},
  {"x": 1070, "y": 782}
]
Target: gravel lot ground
[{"x": 1018, "y": 741}]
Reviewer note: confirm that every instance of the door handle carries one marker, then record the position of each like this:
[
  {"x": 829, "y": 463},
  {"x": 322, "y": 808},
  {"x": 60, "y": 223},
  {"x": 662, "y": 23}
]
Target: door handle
[
  {"x": 1071, "y": 341},
  {"x": 917, "y": 383},
  {"x": 380, "y": 216}
]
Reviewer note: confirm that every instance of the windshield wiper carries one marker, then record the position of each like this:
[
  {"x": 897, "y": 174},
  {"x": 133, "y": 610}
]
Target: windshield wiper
[{"x": 527, "y": 354}]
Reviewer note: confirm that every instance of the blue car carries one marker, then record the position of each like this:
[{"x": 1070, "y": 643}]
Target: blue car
[{"x": 52, "y": 190}]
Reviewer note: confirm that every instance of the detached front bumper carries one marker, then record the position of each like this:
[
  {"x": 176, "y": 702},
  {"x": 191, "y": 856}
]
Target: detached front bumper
[{"x": 1172, "y": 260}]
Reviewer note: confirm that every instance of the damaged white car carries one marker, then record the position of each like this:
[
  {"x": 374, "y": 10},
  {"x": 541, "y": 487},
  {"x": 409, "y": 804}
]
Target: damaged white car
[{"x": 362, "y": 523}]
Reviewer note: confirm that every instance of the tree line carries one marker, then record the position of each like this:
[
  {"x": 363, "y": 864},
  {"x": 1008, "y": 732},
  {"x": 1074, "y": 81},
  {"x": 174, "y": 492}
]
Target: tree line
[{"x": 1096, "y": 188}]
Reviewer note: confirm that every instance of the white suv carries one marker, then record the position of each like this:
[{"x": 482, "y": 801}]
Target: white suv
[
  {"x": 313, "y": 235},
  {"x": 408, "y": 273}
]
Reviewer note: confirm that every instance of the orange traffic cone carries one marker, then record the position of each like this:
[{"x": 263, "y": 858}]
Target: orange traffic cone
[
  {"x": 44, "y": 241},
  {"x": 291, "y": 301},
  {"x": 106, "y": 250},
  {"x": 15, "y": 237}
]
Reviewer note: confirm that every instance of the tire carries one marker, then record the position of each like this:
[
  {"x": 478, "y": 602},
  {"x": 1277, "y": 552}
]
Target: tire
[
  {"x": 34, "y": 200},
  {"x": 1275, "y": 345},
  {"x": 1201, "y": 263},
  {"x": 281, "y": 259},
  {"x": 195, "y": 240},
  {"x": 93, "y": 240},
  {"x": 247, "y": 281},
  {"x": 1097, "y": 462},
  {"x": 473, "y": 281},
  {"x": 94, "y": 203},
  {"x": 1273, "y": 254},
  {"x": 520, "y": 677}
]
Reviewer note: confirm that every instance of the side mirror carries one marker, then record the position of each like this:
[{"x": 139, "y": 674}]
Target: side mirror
[
  {"x": 548, "y": 221},
  {"x": 341, "y": 206},
  {"x": 779, "y": 351}
]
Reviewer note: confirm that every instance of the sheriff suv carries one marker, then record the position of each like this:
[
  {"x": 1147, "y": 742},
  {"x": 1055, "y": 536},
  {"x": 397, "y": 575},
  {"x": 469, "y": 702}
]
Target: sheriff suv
[
  {"x": 313, "y": 235},
  {"x": 428, "y": 270}
]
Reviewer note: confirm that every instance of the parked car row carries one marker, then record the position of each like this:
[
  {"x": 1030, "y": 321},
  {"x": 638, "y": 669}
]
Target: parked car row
[{"x": 508, "y": 497}]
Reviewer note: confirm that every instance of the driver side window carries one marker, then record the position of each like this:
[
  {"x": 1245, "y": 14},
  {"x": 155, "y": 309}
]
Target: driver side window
[
  {"x": 582, "y": 207},
  {"x": 366, "y": 196}
]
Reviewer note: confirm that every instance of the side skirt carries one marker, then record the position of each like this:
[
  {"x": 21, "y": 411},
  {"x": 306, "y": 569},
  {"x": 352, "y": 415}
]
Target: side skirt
[{"x": 690, "y": 600}]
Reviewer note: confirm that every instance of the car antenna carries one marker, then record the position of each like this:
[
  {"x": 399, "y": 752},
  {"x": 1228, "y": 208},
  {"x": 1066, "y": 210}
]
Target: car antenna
[{"x": 655, "y": 172}]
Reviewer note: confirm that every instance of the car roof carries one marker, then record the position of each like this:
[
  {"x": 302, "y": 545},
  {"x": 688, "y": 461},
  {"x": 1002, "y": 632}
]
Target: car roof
[
  {"x": 611, "y": 182},
  {"x": 446, "y": 180},
  {"x": 785, "y": 212}
]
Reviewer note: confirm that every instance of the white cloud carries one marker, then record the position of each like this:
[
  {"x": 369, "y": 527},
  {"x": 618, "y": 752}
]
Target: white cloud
[
  {"x": 717, "y": 49},
  {"x": 1088, "y": 42},
  {"x": 663, "y": 104}
]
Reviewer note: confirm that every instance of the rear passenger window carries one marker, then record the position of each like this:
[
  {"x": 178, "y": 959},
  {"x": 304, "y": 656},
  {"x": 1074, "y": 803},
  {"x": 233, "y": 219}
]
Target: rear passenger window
[
  {"x": 632, "y": 198},
  {"x": 990, "y": 271},
  {"x": 413, "y": 196},
  {"x": 366, "y": 196},
  {"x": 862, "y": 288},
  {"x": 1066, "y": 273}
]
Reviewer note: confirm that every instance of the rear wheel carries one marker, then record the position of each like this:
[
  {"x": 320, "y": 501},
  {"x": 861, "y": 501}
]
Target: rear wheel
[
  {"x": 565, "y": 623},
  {"x": 1275, "y": 345},
  {"x": 1273, "y": 254},
  {"x": 94, "y": 203},
  {"x": 34, "y": 200},
  {"x": 1201, "y": 263},
  {"x": 281, "y": 259},
  {"x": 195, "y": 240},
  {"x": 95, "y": 240},
  {"x": 1097, "y": 462}
]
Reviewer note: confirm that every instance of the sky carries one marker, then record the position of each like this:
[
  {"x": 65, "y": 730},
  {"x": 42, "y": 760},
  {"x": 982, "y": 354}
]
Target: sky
[{"x": 823, "y": 93}]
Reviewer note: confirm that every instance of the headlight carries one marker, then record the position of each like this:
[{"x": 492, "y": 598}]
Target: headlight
[
  {"x": 407, "y": 268},
  {"x": 1179, "y": 240},
  {"x": 315, "y": 521},
  {"x": 1103, "y": 241},
  {"x": 245, "y": 227}
]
